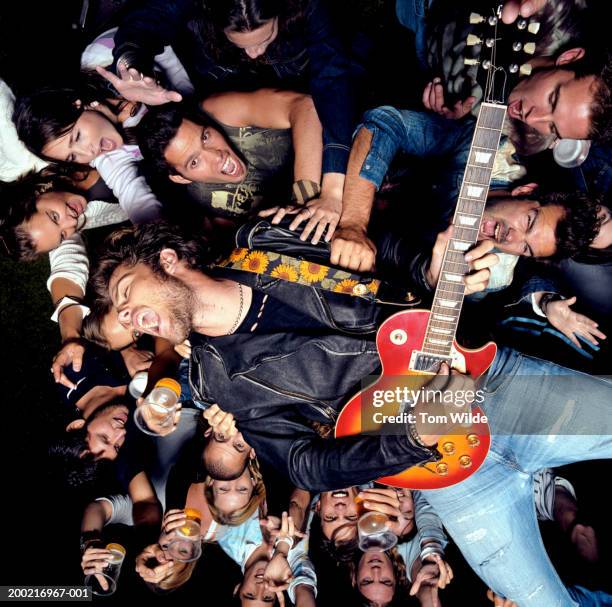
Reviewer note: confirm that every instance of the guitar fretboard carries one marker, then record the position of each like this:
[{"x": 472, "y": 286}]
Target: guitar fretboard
[{"x": 448, "y": 298}]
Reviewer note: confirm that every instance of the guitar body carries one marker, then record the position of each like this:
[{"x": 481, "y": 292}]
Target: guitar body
[{"x": 400, "y": 338}]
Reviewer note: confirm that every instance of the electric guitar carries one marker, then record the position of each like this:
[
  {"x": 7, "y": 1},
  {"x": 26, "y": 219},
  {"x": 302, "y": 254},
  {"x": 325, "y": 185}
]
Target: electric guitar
[{"x": 413, "y": 343}]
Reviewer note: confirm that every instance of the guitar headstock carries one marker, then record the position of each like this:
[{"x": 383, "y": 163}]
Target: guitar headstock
[{"x": 497, "y": 54}]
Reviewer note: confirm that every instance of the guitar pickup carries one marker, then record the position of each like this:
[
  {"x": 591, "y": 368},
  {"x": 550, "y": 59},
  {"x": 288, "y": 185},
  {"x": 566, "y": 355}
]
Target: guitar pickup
[{"x": 424, "y": 362}]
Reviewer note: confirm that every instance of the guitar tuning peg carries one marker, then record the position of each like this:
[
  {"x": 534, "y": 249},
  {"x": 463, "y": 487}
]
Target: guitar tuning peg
[
  {"x": 529, "y": 48},
  {"x": 476, "y": 18},
  {"x": 533, "y": 27},
  {"x": 492, "y": 20},
  {"x": 526, "y": 69},
  {"x": 521, "y": 24},
  {"x": 473, "y": 40},
  {"x": 517, "y": 46},
  {"x": 468, "y": 61}
]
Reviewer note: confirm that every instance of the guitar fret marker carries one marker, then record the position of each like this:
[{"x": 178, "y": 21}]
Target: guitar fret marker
[
  {"x": 466, "y": 220},
  {"x": 444, "y": 318},
  {"x": 438, "y": 342},
  {"x": 474, "y": 191},
  {"x": 453, "y": 277},
  {"x": 441, "y": 331},
  {"x": 482, "y": 157},
  {"x": 448, "y": 303},
  {"x": 461, "y": 245}
]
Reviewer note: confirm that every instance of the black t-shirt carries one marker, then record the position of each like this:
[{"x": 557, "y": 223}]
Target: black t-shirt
[{"x": 268, "y": 314}]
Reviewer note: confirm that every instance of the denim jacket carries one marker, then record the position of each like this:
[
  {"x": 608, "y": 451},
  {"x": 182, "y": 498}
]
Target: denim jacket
[
  {"x": 277, "y": 384},
  {"x": 308, "y": 55}
]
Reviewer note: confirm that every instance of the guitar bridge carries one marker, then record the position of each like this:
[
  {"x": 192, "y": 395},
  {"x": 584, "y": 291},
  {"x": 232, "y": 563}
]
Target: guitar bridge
[{"x": 423, "y": 362}]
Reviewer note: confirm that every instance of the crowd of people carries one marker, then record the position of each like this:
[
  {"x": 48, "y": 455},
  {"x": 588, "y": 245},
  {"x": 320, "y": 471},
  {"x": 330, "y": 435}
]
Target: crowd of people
[{"x": 228, "y": 219}]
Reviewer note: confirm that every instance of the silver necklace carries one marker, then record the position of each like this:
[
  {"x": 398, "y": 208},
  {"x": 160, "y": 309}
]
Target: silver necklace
[{"x": 235, "y": 325}]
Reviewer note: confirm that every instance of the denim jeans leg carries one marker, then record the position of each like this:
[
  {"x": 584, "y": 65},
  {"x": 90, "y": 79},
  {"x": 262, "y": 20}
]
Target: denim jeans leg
[
  {"x": 411, "y": 14},
  {"x": 491, "y": 517}
]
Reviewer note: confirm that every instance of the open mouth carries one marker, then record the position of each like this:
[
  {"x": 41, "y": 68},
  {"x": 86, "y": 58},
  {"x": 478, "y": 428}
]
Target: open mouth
[
  {"x": 75, "y": 208},
  {"x": 339, "y": 493},
  {"x": 230, "y": 167},
  {"x": 493, "y": 229},
  {"x": 147, "y": 321},
  {"x": 120, "y": 420}
]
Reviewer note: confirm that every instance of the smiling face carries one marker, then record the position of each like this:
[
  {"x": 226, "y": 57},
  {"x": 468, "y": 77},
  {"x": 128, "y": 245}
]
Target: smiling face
[
  {"x": 58, "y": 216},
  {"x": 202, "y": 154},
  {"x": 554, "y": 102},
  {"x": 522, "y": 227},
  {"x": 376, "y": 578},
  {"x": 255, "y": 42},
  {"x": 231, "y": 496},
  {"x": 148, "y": 303},
  {"x": 91, "y": 135},
  {"x": 339, "y": 514},
  {"x": 106, "y": 432},
  {"x": 252, "y": 590}
]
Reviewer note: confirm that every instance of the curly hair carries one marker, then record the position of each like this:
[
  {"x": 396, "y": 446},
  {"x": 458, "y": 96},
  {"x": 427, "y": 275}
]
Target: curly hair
[
  {"x": 143, "y": 244},
  {"x": 19, "y": 200},
  {"x": 580, "y": 223}
]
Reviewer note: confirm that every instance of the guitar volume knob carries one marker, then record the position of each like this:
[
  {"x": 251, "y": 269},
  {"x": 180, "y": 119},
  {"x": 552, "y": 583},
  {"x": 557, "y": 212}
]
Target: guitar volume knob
[
  {"x": 448, "y": 448},
  {"x": 442, "y": 469},
  {"x": 473, "y": 440},
  {"x": 398, "y": 337},
  {"x": 465, "y": 461}
]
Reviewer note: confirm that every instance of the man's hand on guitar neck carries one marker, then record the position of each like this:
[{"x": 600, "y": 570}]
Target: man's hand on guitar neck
[
  {"x": 449, "y": 392},
  {"x": 480, "y": 260}
]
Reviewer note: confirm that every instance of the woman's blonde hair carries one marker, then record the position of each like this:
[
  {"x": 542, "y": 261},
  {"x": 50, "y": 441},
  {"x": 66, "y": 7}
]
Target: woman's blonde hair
[
  {"x": 179, "y": 575},
  {"x": 257, "y": 500}
]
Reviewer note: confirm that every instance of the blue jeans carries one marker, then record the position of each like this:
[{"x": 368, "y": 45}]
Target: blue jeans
[
  {"x": 541, "y": 415},
  {"x": 422, "y": 134},
  {"x": 411, "y": 14},
  {"x": 595, "y": 174}
]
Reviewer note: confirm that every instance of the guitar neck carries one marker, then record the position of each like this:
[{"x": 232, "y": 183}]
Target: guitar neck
[{"x": 448, "y": 298}]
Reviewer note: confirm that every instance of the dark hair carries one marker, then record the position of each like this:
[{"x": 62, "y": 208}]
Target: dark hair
[
  {"x": 159, "y": 127},
  {"x": 339, "y": 552},
  {"x": 50, "y": 112},
  {"x": 596, "y": 63},
  {"x": 580, "y": 223},
  {"x": 243, "y": 16},
  {"x": 143, "y": 244},
  {"x": 80, "y": 471},
  {"x": 19, "y": 200}
]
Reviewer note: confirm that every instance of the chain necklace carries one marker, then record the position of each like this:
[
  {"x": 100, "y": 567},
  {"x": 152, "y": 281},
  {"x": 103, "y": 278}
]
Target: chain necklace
[{"x": 236, "y": 323}]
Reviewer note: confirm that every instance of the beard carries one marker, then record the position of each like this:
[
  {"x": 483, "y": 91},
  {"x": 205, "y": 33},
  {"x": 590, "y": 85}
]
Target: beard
[
  {"x": 525, "y": 138},
  {"x": 178, "y": 299}
]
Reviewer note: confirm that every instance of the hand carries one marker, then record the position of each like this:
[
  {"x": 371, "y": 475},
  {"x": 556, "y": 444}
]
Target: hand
[
  {"x": 479, "y": 259},
  {"x": 71, "y": 354},
  {"x": 222, "y": 423},
  {"x": 385, "y": 501},
  {"x": 525, "y": 8},
  {"x": 435, "y": 401},
  {"x": 152, "y": 565},
  {"x": 572, "y": 324},
  {"x": 499, "y": 601},
  {"x": 433, "y": 99},
  {"x": 133, "y": 86},
  {"x": 352, "y": 249},
  {"x": 173, "y": 519},
  {"x": 184, "y": 349},
  {"x": 434, "y": 573},
  {"x": 322, "y": 213},
  {"x": 136, "y": 360},
  {"x": 161, "y": 426},
  {"x": 94, "y": 561},
  {"x": 272, "y": 527}
]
